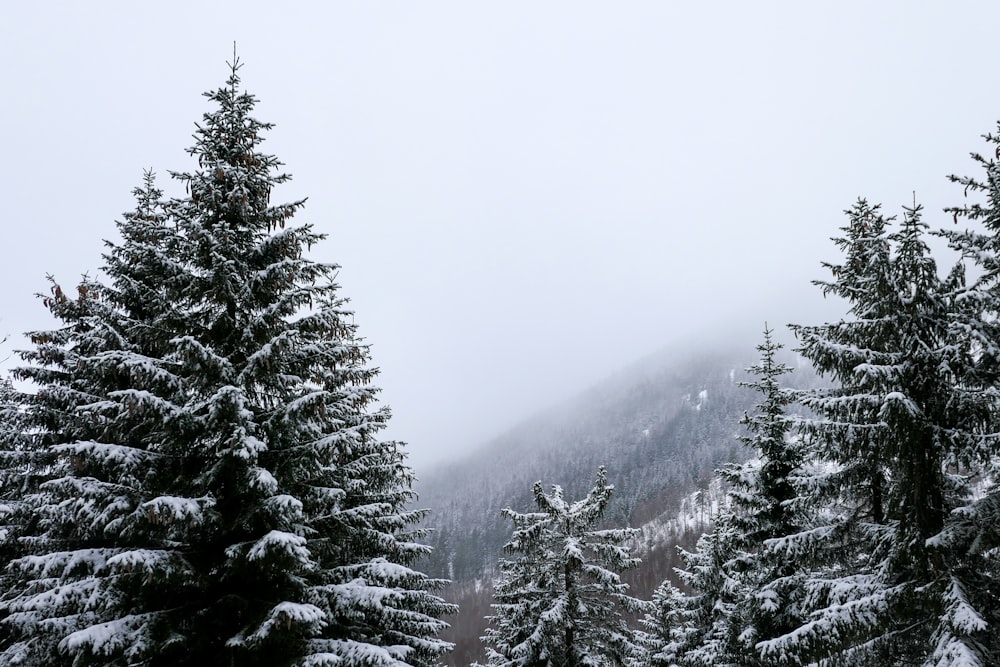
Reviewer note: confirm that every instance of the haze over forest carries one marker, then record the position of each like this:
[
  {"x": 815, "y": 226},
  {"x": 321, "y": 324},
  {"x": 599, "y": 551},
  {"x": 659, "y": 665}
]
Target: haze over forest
[
  {"x": 534, "y": 263},
  {"x": 524, "y": 199}
]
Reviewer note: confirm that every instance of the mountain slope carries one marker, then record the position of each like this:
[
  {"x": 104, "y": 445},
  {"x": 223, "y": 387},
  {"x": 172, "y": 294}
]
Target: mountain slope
[{"x": 661, "y": 428}]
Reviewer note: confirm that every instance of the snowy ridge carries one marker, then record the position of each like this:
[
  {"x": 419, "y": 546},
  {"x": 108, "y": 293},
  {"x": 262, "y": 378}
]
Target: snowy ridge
[{"x": 695, "y": 514}]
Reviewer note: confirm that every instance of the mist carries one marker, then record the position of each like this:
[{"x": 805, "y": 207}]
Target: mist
[{"x": 523, "y": 197}]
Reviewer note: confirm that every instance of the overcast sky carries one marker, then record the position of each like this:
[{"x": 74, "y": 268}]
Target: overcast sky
[{"x": 524, "y": 196}]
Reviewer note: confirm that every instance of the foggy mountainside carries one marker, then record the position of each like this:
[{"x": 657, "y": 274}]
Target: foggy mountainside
[
  {"x": 396, "y": 413},
  {"x": 661, "y": 427}
]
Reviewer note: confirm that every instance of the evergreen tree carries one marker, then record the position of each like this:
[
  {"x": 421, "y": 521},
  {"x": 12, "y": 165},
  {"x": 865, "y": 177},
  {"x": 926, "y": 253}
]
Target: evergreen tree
[
  {"x": 708, "y": 616},
  {"x": 664, "y": 630},
  {"x": 883, "y": 590},
  {"x": 11, "y": 475},
  {"x": 767, "y": 505},
  {"x": 742, "y": 590},
  {"x": 560, "y": 603},
  {"x": 53, "y": 587},
  {"x": 215, "y": 488},
  {"x": 12, "y": 479},
  {"x": 973, "y": 531}
]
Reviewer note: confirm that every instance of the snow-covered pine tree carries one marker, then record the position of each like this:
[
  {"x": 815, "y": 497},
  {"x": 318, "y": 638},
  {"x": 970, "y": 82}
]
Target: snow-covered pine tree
[
  {"x": 561, "y": 602},
  {"x": 709, "y": 625},
  {"x": 219, "y": 382},
  {"x": 12, "y": 479},
  {"x": 972, "y": 534},
  {"x": 765, "y": 504},
  {"x": 883, "y": 591},
  {"x": 54, "y": 586},
  {"x": 310, "y": 505},
  {"x": 664, "y": 630},
  {"x": 12, "y": 476},
  {"x": 741, "y": 591}
]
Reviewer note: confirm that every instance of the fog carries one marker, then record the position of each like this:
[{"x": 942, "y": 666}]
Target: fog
[{"x": 524, "y": 197}]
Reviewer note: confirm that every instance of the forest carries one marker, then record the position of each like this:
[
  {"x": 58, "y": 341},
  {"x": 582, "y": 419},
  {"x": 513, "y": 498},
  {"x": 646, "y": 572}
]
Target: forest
[{"x": 192, "y": 470}]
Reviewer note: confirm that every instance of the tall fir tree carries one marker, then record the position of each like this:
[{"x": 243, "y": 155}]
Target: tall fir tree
[
  {"x": 973, "y": 533},
  {"x": 742, "y": 589},
  {"x": 561, "y": 602},
  {"x": 883, "y": 590},
  {"x": 217, "y": 491},
  {"x": 766, "y": 504},
  {"x": 708, "y": 616},
  {"x": 665, "y": 631}
]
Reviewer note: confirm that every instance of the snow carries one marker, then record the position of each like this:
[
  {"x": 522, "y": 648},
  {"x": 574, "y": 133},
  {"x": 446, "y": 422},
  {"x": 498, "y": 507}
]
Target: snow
[
  {"x": 286, "y": 506},
  {"x": 167, "y": 509},
  {"x": 263, "y": 480},
  {"x": 952, "y": 651},
  {"x": 898, "y": 400},
  {"x": 962, "y": 616},
  {"x": 106, "y": 638},
  {"x": 64, "y": 563},
  {"x": 114, "y": 454},
  {"x": 280, "y": 542},
  {"x": 286, "y": 615},
  {"x": 339, "y": 652},
  {"x": 135, "y": 559}
]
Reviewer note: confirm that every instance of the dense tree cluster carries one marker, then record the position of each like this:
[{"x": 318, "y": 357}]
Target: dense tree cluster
[
  {"x": 198, "y": 477},
  {"x": 868, "y": 532},
  {"x": 866, "y": 529}
]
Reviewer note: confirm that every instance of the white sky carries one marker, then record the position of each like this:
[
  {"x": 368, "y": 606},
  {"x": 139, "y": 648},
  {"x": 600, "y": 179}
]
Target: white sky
[{"x": 524, "y": 196}]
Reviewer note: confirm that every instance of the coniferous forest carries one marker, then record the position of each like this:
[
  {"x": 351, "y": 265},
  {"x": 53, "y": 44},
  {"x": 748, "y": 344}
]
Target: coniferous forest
[{"x": 192, "y": 467}]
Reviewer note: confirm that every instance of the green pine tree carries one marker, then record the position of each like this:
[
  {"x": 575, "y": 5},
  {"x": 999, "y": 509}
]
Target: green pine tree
[
  {"x": 561, "y": 602},
  {"x": 766, "y": 504},
  {"x": 883, "y": 589},
  {"x": 216, "y": 491}
]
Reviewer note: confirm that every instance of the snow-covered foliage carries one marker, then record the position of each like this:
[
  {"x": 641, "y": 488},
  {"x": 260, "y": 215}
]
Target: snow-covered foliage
[
  {"x": 901, "y": 429},
  {"x": 204, "y": 483},
  {"x": 742, "y": 590},
  {"x": 561, "y": 601},
  {"x": 768, "y": 503},
  {"x": 13, "y": 480},
  {"x": 974, "y": 529},
  {"x": 665, "y": 628}
]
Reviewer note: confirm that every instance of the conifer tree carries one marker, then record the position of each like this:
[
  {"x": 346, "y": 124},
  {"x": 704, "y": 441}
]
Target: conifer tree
[
  {"x": 741, "y": 590},
  {"x": 216, "y": 490},
  {"x": 53, "y": 589},
  {"x": 561, "y": 602},
  {"x": 12, "y": 482},
  {"x": 883, "y": 591},
  {"x": 973, "y": 532},
  {"x": 708, "y": 616},
  {"x": 11, "y": 447},
  {"x": 767, "y": 504},
  {"x": 664, "y": 629}
]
